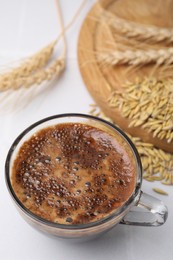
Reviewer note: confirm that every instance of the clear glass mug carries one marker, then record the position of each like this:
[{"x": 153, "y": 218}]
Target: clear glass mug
[{"x": 140, "y": 209}]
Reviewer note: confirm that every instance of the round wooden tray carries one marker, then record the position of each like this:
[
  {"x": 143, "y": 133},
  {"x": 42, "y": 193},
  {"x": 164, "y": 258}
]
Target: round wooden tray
[{"x": 101, "y": 81}]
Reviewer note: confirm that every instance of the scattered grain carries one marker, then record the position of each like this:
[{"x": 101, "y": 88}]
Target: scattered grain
[{"x": 162, "y": 192}]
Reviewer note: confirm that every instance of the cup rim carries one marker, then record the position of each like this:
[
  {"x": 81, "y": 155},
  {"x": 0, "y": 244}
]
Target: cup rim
[{"x": 73, "y": 226}]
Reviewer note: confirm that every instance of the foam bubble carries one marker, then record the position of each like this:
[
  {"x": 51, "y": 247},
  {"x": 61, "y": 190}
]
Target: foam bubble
[
  {"x": 75, "y": 169},
  {"x": 69, "y": 220},
  {"x": 48, "y": 161},
  {"x": 58, "y": 159},
  {"x": 87, "y": 184},
  {"x": 72, "y": 182}
]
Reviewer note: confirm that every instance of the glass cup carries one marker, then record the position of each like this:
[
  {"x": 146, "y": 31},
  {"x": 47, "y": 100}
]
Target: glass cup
[{"x": 140, "y": 209}]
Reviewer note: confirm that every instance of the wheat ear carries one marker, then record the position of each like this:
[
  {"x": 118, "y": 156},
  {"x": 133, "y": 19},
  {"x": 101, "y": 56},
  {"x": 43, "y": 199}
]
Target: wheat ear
[
  {"x": 131, "y": 57},
  {"x": 140, "y": 31},
  {"x": 27, "y": 68},
  {"x": 40, "y": 76}
]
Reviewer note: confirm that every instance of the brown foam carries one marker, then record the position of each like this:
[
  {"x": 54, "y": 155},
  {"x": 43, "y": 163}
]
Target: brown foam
[{"x": 73, "y": 173}]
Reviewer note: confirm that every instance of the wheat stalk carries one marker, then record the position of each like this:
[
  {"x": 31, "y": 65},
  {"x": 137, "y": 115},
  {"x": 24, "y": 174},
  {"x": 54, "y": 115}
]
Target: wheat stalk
[
  {"x": 140, "y": 31},
  {"x": 34, "y": 71},
  {"x": 133, "y": 57}
]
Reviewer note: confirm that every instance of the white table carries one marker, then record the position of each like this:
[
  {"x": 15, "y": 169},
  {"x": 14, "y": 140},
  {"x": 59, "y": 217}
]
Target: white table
[{"x": 25, "y": 26}]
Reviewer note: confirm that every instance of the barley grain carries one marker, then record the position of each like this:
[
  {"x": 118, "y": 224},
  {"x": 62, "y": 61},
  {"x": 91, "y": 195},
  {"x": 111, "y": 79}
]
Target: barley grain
[{"x": 160, "y": 191}]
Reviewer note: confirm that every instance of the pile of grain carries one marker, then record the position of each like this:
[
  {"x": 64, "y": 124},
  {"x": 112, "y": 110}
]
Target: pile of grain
[{"x": 147, "y": 103}]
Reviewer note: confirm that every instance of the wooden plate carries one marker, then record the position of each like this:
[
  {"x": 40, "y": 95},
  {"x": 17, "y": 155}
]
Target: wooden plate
[{"x": 100, "y": 80}]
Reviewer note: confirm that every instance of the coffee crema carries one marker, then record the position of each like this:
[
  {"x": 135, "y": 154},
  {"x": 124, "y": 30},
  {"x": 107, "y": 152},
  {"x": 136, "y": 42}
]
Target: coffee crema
[{"x": 73, "y": 173}]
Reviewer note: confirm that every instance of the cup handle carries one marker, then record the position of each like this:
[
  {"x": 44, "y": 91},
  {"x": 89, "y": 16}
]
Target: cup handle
[{"x": 149, "y": 211}]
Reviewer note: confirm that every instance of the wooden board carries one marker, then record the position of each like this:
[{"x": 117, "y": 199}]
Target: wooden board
[{"x": 101, "y": 81}]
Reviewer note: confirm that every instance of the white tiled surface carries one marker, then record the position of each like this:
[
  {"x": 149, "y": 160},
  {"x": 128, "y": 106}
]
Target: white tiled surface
[{"x": 25, "y": 26}]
